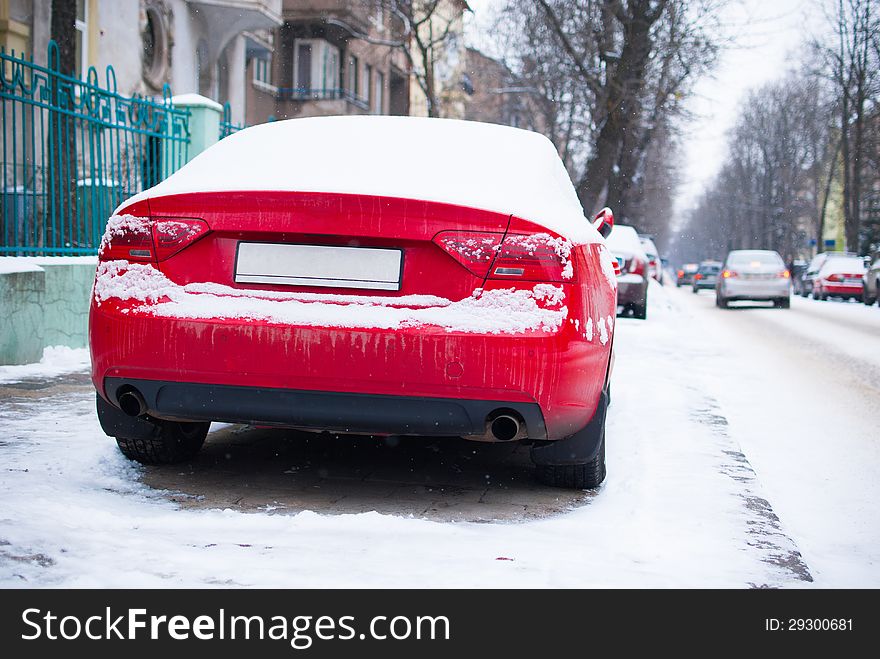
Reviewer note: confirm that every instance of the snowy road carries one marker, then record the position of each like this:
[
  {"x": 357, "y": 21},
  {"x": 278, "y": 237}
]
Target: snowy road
[{"x": 743, "y": 450}]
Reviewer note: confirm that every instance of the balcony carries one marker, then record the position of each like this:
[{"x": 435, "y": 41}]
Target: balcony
[
  {"x": 226, "y": 18},
  {"x": 352, "y": 13},
  {"x": 334, "y": 101}
]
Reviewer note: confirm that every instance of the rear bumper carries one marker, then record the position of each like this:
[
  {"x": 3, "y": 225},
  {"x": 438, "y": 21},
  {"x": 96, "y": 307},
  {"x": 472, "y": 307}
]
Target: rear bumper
[
  {"x": 632, "y": 289},
  {"x": 323, "y": 410},
  {"x": 755, "y": 290},
  {"x": 842, "y": 289},
  {"x": 445, "y": 383}
]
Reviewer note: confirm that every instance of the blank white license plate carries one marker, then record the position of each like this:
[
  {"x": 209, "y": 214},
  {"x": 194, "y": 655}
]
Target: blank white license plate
[{"x": 319, "y": 265}]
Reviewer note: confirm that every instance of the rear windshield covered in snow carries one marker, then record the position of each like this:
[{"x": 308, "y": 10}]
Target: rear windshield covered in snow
[
  {"x": 760, "y": 258},
  {"x": 844, "y": 264}
]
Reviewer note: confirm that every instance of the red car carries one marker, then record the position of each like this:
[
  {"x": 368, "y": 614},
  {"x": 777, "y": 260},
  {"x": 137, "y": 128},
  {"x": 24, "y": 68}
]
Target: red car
[
  {"x": 311, "y": 274},
  {"x": 840, "y": 276}
]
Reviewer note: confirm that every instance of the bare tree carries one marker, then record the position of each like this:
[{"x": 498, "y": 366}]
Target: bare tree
[
  {"x": 853, "y": 65},
  {"x": 614, "y": 73}
]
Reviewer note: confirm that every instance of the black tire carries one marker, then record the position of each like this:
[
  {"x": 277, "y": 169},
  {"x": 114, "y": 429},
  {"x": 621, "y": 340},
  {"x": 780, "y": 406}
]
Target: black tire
[
  {"x": 640, "y": 311},
  {"x": 783, "y": 303},
  {"x": 720, "y": 302},
  {"x": 696, "y": 290},
  {"x": 172, "y": 442},
  {"x": 586, "y": 476}
]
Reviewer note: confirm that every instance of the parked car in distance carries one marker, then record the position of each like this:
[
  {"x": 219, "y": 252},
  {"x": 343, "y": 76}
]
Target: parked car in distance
[
  {"x": 754, "y": 274},
  {"x": 360, "y": 295},
  {"x": 686, "y": 274},
  {"x": 706, "y": 276},
  {"x": 809, "y": 276},
  {"x": 655, "y": 267},
  {"x": 871, "y": 280},
  {"x": 840, "y": 276},
  {"x": 632, "y": 282}
]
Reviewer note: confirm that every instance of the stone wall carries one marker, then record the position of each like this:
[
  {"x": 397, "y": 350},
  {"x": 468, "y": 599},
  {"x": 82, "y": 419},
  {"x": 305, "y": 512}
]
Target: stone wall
[{"x": 44, "y": 301}]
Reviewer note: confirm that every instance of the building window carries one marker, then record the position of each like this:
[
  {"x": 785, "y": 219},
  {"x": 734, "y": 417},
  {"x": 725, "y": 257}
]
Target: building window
[
  {"x": 353, "y": 71},
  {"x": 368, "y": 83},
  {"x": 316, "y": 68},
  {"x": 82, "y": 39},
  {"x": 155, "y": 48},
  {"x": 263, "y": 71},
  {"x": 380, "y": 92}
]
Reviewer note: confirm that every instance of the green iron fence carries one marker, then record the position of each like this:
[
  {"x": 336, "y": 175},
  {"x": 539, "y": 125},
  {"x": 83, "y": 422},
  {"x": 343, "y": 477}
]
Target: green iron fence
[
  {"x": 227, "y": 126},
  {"x": 73, "y": 150}
]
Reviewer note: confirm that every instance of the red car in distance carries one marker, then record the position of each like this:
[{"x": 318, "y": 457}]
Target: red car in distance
[
  {"x": 840, "y": 276},
  {"x": 314, "y": 274}
]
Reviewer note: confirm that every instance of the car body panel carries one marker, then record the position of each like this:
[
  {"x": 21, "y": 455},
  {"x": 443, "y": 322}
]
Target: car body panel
[{"x": 563, "y": 370}]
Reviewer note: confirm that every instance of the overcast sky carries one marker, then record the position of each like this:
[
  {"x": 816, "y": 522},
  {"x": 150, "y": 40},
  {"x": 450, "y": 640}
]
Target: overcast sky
[{"x": 768, "y": 35}]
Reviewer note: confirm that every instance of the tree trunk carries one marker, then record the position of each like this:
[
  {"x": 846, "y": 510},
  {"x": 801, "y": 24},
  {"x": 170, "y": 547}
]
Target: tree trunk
[{"x": 621, "y": 110}]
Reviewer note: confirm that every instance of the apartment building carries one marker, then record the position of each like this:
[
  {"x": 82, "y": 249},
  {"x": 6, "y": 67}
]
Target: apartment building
[
  {"x": 197, "y": 46},
  {"x": 330, "y": 57}
]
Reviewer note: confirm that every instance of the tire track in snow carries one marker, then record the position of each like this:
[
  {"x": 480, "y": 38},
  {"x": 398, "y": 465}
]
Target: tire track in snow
[{"x": 765, "y": 532}]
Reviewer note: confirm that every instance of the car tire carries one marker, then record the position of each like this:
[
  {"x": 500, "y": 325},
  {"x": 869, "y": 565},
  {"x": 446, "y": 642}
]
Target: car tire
[
  {"x": 696, "y": 290},
  {"x": 720, "y": 302},
  {"x": 783, "y": 303},
  {"x": 172, "y": 442},
  {"x": 585, "y": 476},
  {"x": 640, "y": 311}
]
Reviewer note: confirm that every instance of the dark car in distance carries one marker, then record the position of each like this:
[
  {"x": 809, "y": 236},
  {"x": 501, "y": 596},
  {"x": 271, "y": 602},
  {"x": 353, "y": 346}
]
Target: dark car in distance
[
  {"x": 706, "y": 276},
  {"x": 686, "y": 274}
]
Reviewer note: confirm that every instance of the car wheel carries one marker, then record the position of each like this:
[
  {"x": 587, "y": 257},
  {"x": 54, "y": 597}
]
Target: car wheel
[
  {"x": 696, "y": 290},
  {"x": 172, "y": 442},
  {"x": 585, "y": 476},
  {"x": 783, "y": 303},
  {"x": 720, "y": 302},
  {"x": 640, "y": 311}
]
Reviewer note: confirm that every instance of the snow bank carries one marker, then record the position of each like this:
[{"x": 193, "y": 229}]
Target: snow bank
[
  {"x": 12, "y": 264},
  {"x": 57, "y": 360},
  {"x": 506, "y": 311},
  {"x": 477, "y": 165}
]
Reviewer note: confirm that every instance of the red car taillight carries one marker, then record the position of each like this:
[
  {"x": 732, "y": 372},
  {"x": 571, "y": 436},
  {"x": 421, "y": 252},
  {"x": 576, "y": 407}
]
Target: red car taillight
[
  {"x": 785, "y": 274},
  {"x": 141, "y": 240},
  {"x": 474, "y": 250},
  {"x": 521, "y": 257},
  {"x": 698, "y": 276},
  {"x": 171, "y": 236},
  {"x": 636, "y": 266},
  {"x": 834, "y": 277},
  {"x": 680, "y": 274},
  {"x": 536, "y": 257},
  {"x": 127, "y": 238},
  {"x": 727, "y": 274}
]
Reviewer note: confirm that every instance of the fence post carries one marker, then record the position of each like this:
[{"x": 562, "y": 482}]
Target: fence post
[{"x": 204, "y": 121}]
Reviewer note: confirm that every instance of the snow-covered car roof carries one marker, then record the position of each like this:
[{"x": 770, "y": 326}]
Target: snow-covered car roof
[
  {"x": 624, "y": 240},
  {"x": 843, "y": 265},
  {"x": 477, "y": 165}
]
